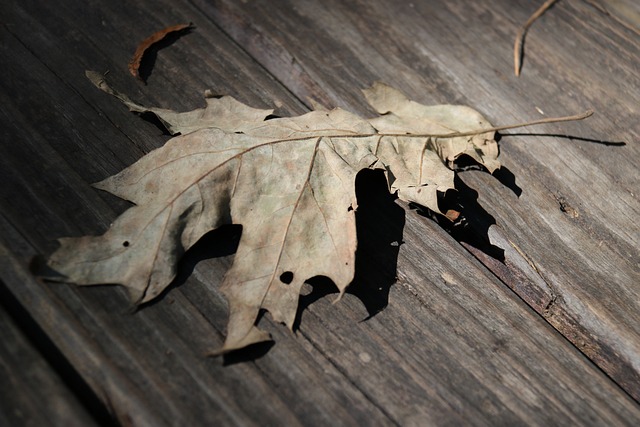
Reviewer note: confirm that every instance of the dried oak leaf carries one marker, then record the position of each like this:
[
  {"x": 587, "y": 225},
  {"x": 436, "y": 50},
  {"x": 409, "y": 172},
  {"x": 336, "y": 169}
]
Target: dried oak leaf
[{"x": 288, "y": 181}]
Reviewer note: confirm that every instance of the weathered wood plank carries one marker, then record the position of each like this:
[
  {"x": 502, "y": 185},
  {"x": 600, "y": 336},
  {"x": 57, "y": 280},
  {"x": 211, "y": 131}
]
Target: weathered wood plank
[
  {"x": 31, "y": 392},
  {"x": 458, "y": 52},
  {"x": 167, "y": 363},
  {"x": 627, "y": 12},
  {"x": 453, "y": 345}
]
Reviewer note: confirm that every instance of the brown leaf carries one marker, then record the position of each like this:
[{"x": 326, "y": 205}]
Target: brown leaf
[
  {"x": 290, "y": 182},
  {"x": 136, "y": 60}
]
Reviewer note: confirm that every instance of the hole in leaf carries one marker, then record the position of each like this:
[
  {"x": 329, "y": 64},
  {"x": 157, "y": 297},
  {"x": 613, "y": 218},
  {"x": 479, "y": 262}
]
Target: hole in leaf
[
  {"x": 286, "y": 277},
  {"x": 125, "y": 243}
]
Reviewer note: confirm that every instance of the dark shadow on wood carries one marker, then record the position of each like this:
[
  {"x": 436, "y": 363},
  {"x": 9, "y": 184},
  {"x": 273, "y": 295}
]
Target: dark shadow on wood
[
  {"x": 247, "y": 354},
  {"x": 251, "y": 352},
  {"x": 571, "y": 138},
  {"x": 508, "y": 179},
  {"x": 222, "y": 241},
  {"x": 321, "y": 286},
  {"x": 503, "y": 175},
  {"x": 151, "y": 54},
  {"x": 379, "y": 224},
  {"x": 154, "y": 120},
  {"x": 38, "y": 267},
  {"x": 472, "y": 225}
]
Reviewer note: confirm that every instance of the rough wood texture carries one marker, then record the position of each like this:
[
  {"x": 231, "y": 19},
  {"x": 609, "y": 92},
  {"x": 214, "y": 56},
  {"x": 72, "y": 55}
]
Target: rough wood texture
[
  {"x": 453, "y": 335},
  {"x": 34, "y": 394},
  {"x": 572, "y": 256}
]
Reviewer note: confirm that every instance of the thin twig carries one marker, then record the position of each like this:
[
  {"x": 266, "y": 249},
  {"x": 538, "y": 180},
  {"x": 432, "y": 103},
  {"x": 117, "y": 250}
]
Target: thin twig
[{"x": 519, "y": 43}]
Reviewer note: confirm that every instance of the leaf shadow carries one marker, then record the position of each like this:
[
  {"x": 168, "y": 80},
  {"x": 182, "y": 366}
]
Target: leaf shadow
[
  {"x": 503, "y": 175},
  {"x": 472, "y": 225},
  {"x": 250, "y": 353},
  {"x": 221, "y": 242},
  {"x": 379, "y": 225},
  {"x": 508, "y": 179},
  {"x": 570, "y": 138}
]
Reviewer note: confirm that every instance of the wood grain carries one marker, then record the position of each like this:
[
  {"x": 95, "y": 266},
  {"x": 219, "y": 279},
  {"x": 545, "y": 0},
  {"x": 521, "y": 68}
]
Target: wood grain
[
  {"x": 446, "y": 340},
  {"x": 571, "y": 261},
  {"x": 31, "y": 392}
]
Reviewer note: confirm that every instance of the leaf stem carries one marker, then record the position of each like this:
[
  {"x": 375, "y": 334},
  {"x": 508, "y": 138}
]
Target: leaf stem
[{"x": 576, "y": 117}]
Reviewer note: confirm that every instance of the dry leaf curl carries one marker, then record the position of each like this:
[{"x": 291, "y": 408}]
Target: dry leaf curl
[{"x": 146, "y": 44}]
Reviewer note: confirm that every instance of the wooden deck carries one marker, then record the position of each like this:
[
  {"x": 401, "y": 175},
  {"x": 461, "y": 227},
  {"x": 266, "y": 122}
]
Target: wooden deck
[{"x": 529, "y": 315}]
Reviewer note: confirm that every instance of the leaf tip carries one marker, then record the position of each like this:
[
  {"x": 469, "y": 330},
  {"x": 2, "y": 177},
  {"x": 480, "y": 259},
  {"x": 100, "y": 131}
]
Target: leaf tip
[
  {"x": 39, "y": 267},
  {"x": 339, "y": 297},
  {"x": 238, "y": 338},
  {"x": 95, "y": 77},
  {"x": 383, "y": 98}
]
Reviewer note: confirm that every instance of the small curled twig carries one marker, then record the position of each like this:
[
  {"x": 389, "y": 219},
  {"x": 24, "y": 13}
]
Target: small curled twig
[{"x": 519, "y": 43}]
